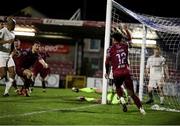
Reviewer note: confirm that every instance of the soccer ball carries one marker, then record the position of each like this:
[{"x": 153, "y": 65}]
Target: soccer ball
[
  {"x": 155, "y": 107},
  {"x": 73, "y": 88}
]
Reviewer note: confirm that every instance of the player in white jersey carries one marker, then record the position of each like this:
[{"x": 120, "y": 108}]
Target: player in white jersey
[
  {"x": 157, "y": 71},
  {"x": 7, "y": 37}
]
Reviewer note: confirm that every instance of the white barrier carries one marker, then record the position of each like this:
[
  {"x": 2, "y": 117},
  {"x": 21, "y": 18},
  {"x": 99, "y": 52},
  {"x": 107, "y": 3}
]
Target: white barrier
[
  {"x": 53, "y": 81},
  {"x": 93, "y": 82}
]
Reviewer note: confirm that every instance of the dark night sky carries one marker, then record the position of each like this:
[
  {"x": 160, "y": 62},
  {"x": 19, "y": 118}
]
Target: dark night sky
[{"x": 91, "y": 9}]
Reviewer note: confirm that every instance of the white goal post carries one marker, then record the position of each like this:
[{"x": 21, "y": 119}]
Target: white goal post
[
  {"x": 167, "y": 32},
  {"x": 106, "y": 45}
]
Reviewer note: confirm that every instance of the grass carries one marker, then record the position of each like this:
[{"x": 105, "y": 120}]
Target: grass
[{"x": 60, "y": 107}]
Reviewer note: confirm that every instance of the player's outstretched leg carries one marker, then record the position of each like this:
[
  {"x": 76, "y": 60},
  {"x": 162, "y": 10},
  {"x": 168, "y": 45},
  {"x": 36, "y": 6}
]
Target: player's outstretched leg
[
  {"x": 124, "y": 105},
  {"x": 138, "y": 103},
  {"x": 129, "y": 86},
  {"x": 119, "y": 91}
]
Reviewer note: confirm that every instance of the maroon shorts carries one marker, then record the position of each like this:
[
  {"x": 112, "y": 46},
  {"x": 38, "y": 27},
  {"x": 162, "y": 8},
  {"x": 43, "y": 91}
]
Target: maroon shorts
[
  {"x": 38, "y": 68},
  {"x": 19, "y": 71}
]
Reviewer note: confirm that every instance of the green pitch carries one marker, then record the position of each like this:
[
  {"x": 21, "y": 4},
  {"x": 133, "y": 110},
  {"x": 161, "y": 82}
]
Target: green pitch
[{"x": 60, "y": 107}]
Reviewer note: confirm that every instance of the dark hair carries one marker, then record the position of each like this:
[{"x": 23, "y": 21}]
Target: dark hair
[
  {"x": 36, "y": 42},
  {"x": 117, "y": 36}
]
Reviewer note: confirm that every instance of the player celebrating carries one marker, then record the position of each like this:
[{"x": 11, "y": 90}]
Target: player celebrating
[
  {"x": 6, "y": 62},
  {"x": 157, "y": 71},
  {"x": 117, "y": 57}
]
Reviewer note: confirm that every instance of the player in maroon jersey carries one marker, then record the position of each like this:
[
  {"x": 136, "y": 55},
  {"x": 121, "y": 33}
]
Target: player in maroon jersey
[
  {"x": 117, "y": 57},
  {"x": 15, "y": 51},
  {"x": 39, "y": 69},
  {"x": 24, "y": 65}
]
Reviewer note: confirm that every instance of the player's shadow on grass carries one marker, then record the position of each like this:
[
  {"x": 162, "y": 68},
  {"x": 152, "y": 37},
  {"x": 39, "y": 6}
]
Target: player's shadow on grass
[
  {"x": 79, "y": 111},
  {"x": 132, "y": 112}
]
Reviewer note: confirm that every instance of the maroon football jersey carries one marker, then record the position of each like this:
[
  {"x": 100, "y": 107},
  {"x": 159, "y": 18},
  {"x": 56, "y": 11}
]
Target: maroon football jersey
[
  {"x": 117, "y": 56},
  {"x": 44, "y": 55},
  {"x": 27, "y": 59}
]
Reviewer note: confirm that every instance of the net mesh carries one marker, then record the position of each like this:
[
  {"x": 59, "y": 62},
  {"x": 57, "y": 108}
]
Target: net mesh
[{"x": 167, "y": 36}]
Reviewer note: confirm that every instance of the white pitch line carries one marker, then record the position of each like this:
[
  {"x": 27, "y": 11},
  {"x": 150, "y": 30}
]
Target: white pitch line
[{"x": 52, "y": 110}]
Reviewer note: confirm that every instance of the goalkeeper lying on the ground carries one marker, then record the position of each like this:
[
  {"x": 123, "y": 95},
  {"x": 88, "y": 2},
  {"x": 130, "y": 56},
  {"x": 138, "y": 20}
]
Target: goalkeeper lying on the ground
[{"x": 112, "y": 97}]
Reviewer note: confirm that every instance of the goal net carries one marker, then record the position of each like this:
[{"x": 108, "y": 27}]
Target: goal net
[{"x": 155, "y": 31}]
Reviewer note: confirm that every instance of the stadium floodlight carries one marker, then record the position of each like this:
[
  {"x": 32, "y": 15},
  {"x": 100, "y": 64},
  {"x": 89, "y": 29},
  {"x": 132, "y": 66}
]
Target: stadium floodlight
[
  {"x": 22, "y": 33},
  {"x": 148, "y": 42},
  {"x": 138, "y": 33},
  {"x": 24, "y": 29},
  {"x": 54, "y": 36}
]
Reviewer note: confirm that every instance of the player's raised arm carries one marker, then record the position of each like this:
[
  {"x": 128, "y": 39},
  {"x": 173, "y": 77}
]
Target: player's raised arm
[{"x": 127, "y": 33}]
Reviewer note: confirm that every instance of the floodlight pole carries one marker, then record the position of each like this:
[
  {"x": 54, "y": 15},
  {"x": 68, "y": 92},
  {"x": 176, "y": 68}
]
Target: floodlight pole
[
  {"x": 106, "y": 45},
  {"x": 142, "y": 63}
]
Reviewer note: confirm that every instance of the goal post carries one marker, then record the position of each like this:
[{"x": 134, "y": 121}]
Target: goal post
[
  {"x": 108, "y": 25},
  {"x": 142, "y": 63},
  {"x": 161, "y": 31},
  {"x": 106, "y": 45}
]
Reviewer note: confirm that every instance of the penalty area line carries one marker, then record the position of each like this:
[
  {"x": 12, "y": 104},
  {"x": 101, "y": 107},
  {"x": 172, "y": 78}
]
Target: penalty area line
[{"x": 51, "y": 110}]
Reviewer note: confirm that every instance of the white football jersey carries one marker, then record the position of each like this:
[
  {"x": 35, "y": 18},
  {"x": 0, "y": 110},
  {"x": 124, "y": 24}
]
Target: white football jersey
[
  {"x": 6, "y": 35},
  {"x": 156, "y": 66}
]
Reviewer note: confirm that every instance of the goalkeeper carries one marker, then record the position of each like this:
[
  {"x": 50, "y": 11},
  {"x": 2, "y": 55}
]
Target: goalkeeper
[{"x": 112, "y": 97}]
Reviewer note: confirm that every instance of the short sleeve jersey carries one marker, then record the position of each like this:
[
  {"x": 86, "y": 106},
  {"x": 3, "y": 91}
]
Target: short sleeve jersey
[
  {"x": 156, "y": 65},
  {"x": 6, "y": 35},
  {"x": 117, "y": 55}
]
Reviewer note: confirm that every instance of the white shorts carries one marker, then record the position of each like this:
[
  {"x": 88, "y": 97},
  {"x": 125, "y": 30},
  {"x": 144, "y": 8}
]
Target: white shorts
[
  {"x": 154, "y": 83},
  {"x": 6, "y": 60}
]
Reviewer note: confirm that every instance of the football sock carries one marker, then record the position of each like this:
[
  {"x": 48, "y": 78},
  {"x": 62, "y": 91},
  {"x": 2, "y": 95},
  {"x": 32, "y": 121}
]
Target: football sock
[
  {"x": 150, "y": 95},
  {"x": 43, "y": 84},
  {"x": 161, "y": 100},
  {"x": 136, "y": 101},
  {"x": 8, "y": 85}
]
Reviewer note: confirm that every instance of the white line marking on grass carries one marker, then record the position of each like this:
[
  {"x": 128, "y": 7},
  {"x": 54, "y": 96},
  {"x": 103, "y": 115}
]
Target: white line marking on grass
[{"x": 52, "y": 110}]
